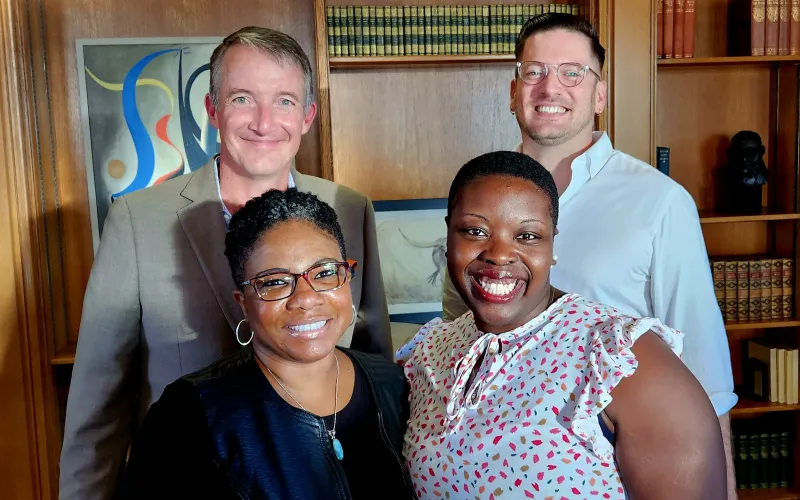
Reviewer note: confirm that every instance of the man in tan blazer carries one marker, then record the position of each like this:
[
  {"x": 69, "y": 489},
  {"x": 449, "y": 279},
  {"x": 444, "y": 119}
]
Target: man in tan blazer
[{"x": 159, "y": 303}]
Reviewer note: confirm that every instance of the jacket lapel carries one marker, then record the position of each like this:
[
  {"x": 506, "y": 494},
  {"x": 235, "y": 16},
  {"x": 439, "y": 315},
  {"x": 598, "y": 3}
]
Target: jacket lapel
[{"x": 204, "y": 226}]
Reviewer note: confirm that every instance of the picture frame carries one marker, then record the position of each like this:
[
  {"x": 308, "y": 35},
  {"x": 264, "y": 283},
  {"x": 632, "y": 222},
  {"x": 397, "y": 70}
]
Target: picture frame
[
  {"x": 412, "y": 241},
  {"x": 143, "y": 118}
]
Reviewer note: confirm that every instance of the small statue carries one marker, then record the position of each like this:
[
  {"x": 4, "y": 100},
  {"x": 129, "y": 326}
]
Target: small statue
[
  {"x": 744, "y": 173},
  {"x": 746, "y": 159}
]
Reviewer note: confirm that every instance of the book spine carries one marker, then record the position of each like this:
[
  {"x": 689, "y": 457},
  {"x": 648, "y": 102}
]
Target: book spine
[
  {"x": 794, "y": 28},
  {"x": 787, "y": 293},
  {"x": 659, "y": 29},
  {"x": 758, "y": 16},
  {"x": 663, "y": 160},
  {"x": 731, "y": 290},
  {"x": 765, "y": 290},
  {"x": 718, "y": 274},
  {"x": 351, "y": 31},
  {"x": 754, "y": 291},
  {"x": 777, "y": 288},
  {"x": 743, "y": 289},
  {"x": 677, "y": 30},
  {"x": 689, "y": 19},
  {"x": 448, "y": 30},
  {"x": 771, "y": 29},
  {"x": 669, "y": 25},
  {"x": 359, "y": 30},
  {"x": 329, "y": 23},
  {"x": 783, "y": 27}
]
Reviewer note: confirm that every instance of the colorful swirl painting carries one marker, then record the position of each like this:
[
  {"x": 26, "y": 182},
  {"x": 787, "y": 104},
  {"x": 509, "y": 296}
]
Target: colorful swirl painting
[{"x": 144, "y": 119}]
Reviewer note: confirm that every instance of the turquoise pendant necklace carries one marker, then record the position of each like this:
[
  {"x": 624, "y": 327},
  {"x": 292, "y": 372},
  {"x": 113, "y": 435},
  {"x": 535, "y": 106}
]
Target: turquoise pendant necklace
[{"x": 337, "y": 445}]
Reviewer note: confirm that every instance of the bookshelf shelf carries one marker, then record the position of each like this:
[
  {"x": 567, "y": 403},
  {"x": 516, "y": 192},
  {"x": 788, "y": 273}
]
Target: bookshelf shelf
[
  {"x": 749, "y": 407},
  {"x": 768, "y": 323},
  {"x": 378, "y": 62},
  {"x": 769, "y": 494},
  {"x": 732, "y": 60},
  {"x": 64, "y": 357},
  {"x": 716, "y": 217}
]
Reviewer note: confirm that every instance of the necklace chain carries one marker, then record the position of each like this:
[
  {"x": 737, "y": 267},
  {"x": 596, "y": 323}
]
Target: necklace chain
[{"x": 331, "y": 433}]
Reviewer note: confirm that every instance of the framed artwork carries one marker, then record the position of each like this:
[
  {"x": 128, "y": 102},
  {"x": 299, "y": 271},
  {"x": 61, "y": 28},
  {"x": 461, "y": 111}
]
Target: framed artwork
[
  {"x": 143, "y": 114},
  {"x": 412, "y": 240}
]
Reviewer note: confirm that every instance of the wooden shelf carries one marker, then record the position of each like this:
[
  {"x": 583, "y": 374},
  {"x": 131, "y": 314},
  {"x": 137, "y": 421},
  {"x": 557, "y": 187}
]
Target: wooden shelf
[
  {"x": 769, "y": 494},
  {"x": 375, "y": 62},
  {"x": 749, "y": 407},
  {"x": 766, "y": 323},
  {"x": 721, "y": 61},
  {"x": 64, "y": 357},
  {"x": 717, "y": 217}
]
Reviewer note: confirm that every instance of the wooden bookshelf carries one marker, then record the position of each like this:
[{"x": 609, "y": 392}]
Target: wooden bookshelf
[
  {"x": 759, "y": 324},
  {"x": 732, "y": 60},
  {"x": 710, "y": 216},
  {"x": 770, "y": 494},
  {"x": 64, "y": 357},
  {"x": 749, "y": 407}
]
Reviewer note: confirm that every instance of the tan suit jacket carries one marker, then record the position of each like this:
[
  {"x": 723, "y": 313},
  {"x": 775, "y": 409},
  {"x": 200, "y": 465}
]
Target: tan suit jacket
[{"x": 159, "y": 305}]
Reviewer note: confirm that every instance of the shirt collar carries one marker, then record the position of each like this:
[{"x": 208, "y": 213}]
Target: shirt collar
[
  {"x": 226, "y": 214},
  {"x": 594, "y": 158}
]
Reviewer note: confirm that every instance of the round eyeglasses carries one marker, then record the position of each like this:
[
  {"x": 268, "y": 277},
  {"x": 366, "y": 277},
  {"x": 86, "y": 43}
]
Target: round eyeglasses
[
  {"x": 569, "y": 74},
  {"x": 324, "y": 277}
]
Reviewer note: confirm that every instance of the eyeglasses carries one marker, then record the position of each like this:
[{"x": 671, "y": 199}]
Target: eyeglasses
[
  {"x": 324, "y": 277},
  {"x": 569, "y": 74}
]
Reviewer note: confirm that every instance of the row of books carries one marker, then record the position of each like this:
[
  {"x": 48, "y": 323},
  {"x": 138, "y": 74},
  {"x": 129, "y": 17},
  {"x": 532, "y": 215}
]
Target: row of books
[
  {"x": 774, "y": 27},
  {"x": 772, "y": 371},
  {"x": 410, "y": 30},
  {"x": 675, "y": 22},
  {"x": 762, "y": 459},
  {"x": 754, "y": 288}
]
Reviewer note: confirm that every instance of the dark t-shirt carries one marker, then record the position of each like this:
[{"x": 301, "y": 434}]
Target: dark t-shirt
[{"x": 366, "y": 456}]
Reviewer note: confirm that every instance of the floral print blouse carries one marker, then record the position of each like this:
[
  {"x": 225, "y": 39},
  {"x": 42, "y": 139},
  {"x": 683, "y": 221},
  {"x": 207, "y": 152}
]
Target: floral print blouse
[{"x": 515, "y": 415}]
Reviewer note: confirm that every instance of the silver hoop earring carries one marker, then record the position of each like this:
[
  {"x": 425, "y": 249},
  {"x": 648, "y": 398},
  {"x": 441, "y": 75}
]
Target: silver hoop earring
[
  {"x": 513, "y": 112},
  {"x": 355, "y": 314},
  {"x": 243, "y": 344}
]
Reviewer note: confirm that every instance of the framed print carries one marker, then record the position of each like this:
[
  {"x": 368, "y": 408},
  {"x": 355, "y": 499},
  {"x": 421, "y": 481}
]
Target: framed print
[
  {"x": 412, "y": 240},
  {"x": 143, "y": 114}
]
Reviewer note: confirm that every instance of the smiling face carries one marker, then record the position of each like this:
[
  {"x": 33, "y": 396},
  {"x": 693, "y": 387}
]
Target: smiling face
[
  {"x": 261, "y": 115},
  {"x": 500, "y": 249},
  {"x": 305, "y": 326},
  {"x": 548, "y": 112}
]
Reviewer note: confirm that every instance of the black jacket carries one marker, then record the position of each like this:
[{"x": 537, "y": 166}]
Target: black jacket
[{"x": 223, "y": 432}]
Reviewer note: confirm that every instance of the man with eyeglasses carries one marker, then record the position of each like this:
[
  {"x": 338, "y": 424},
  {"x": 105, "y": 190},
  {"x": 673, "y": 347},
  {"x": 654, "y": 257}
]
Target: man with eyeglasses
[
  {"x": 159, "y": 303},
  {"x": 628, "y": 236}
]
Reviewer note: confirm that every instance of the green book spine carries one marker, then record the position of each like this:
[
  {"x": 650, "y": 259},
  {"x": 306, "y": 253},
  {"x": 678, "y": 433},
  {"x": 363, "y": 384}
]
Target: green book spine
[
  {"x": 396, "y": 39},
  {"x": 538, "y": 9},
  {"x": 380, "y": 30},
  {"x": 365, "y": 31},
  {"x": 742, "y": 461},
  {"x": 485, "y": 19},
  {"x": 407, "y": 30},
  {"x": 448, "y": 32},
  {"x": 493, "y": 29},
  {"x": 337, "y": 31},
  {"x": 765, "y": 461},
  {"x": 576, "y": 9},
  {"x": 755, "y": 462},
  {"x": 459, "y": 23},
  {"x": 435, "y": 38},
  {"x": 441, "y": 23},
  {"x": 414, "y": 30},
  {"x": 428, "y": 29},
  {"x": 785, "y": 466},
  {"x": 387, "y": 30},
  {"x": 329, "y": 23},
  {"x": 359, "y": 30},
  {"x": 774, "y": 460},
  {"x": 351, "y": 31},
  {"x": 373, "y": 30}
]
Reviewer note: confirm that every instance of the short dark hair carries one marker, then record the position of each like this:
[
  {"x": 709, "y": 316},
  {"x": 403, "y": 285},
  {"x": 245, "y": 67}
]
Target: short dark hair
[
  {"x": 553, "y": 21},
  {"x": 264, "y": 212},
  {"x": 276, "y": 44},
  {"x": 508, "y": 164}
]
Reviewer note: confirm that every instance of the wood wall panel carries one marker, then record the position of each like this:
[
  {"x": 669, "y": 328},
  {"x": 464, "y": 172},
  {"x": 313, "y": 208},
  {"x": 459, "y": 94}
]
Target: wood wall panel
[
  {"x": 61, "y": 22},
  {"x": 28, "y": 418},
  {"x": 406, "y": 142}
]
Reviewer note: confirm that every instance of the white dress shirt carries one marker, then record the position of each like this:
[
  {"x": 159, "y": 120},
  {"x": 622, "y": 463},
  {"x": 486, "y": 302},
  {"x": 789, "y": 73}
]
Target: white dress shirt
[{"x": 630, "y": 237}]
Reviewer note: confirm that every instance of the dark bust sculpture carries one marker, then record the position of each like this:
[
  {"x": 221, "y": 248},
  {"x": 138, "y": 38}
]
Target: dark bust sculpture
[{"x": 744, "y": 173}]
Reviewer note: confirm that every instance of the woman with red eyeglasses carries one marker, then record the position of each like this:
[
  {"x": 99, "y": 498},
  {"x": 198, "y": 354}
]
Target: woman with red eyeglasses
[{"x": 292, "y": 415}]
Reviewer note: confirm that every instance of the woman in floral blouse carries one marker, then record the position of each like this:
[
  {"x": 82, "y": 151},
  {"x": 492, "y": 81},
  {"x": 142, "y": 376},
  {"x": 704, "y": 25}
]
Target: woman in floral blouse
[{"x": 537, "y": 393}]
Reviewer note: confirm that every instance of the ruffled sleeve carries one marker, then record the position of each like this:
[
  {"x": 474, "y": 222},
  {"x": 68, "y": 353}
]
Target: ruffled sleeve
[{"x": 608, "y": 359}]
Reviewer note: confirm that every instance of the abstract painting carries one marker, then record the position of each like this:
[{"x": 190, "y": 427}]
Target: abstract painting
[
  {"x": 412, "y": 240},
  {"x": 143, "y": 114}
]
